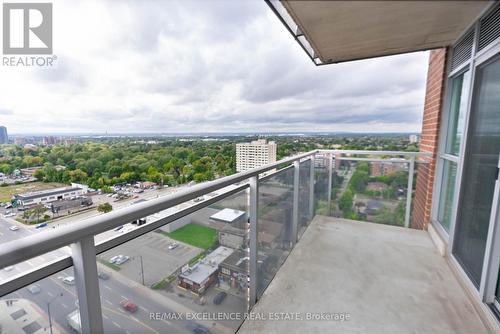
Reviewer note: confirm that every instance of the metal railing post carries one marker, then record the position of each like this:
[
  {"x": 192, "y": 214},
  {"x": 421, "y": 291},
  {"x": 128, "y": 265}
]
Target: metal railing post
[
  {"x": 254, "y": 202},
  {"x": 295, "y": 210},
  {"x": 409, "y": 191},
  {"x": 330, "y": 171},
  {"x": 87, "y": 285},
  {"x": 311, "y": 189}
]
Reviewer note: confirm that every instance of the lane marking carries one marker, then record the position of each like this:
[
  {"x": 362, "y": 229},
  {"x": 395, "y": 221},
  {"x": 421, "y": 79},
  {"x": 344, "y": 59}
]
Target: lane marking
[
  {"x": 114, "y": 323},
  {"x": 50, "y": 294},
  {"x": 107, "y": 287},
  {"x": 107, "y": 301}
]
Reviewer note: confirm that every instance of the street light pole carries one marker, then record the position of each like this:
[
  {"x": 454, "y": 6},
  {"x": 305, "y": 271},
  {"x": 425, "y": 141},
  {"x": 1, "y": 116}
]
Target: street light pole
[
  {"x": 48, "y": 310},
  {"x": 142, "y": 268}
]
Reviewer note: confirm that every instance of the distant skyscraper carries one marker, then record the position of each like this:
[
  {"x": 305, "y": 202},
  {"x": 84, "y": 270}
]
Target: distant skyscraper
[
  {"x": 255, "y": 154},
  {"x": 4, "y": 138},
  {"x": 413, "y": 139}
]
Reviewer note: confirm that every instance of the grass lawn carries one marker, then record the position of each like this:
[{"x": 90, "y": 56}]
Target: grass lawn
[
  {"x": 7, "y": 192},
  {"x": 195, "y": 235}
]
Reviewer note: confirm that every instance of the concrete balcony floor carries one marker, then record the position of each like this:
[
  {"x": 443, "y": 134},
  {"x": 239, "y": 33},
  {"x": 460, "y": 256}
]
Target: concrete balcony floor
[{"x": 389, "y": 279}]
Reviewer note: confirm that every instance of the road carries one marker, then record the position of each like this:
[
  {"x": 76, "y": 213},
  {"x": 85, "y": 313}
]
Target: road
[{"x": 112, "y": 291}]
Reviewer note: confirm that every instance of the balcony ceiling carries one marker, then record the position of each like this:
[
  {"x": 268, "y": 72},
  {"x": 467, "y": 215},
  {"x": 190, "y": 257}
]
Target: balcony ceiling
[{"x": 349, "y": 30}]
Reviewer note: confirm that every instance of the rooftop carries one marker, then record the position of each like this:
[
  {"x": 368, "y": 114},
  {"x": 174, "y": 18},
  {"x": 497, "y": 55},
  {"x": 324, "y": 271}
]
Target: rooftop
[
  {"x": 207, "y": 266},
  {"x": 227, "y": 215},
  {"x": 48, "y": 192}
]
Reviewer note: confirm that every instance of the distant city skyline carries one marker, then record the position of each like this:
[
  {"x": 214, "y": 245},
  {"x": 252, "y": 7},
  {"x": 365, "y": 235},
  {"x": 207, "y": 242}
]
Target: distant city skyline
[{"x": 186, "y": 68}]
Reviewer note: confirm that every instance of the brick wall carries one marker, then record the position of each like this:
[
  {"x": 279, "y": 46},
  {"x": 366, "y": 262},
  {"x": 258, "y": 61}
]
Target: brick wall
[{"x": 434, "y": 95}]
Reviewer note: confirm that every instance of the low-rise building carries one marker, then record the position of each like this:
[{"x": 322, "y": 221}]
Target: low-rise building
[
  {"x": 230, "y": 216},
  {"x": 198, "y": 277},
  {"x": 232, "y": 237},
  {"x": 47, "y": 196}
]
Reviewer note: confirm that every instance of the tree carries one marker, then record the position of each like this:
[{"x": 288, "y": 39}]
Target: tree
[
  {"x": 39, "y": 174},
  {"x": 105, "y": 208},
  {"x": 37, "y": 211}
]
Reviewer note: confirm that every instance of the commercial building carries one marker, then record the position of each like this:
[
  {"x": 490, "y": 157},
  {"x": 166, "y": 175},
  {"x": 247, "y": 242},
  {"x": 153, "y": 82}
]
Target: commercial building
[
  {"x": 254, "y": 154},
  {"x": 47, "y": 196},
  {"x": 413, "y": 139},
  {"x": 4, "y": 137},
  {"x": 198, "y": 277},
  {"x": 233, "y": 271}
]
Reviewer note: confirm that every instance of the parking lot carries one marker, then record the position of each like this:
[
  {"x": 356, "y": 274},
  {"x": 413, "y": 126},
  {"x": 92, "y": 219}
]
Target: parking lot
[{"x": 158, "y": 262}]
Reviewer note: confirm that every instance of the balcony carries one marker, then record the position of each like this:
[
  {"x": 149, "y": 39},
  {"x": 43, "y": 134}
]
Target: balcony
[
  {"x": 375, "y": 278},
  {"x": 210, "y": 253}
]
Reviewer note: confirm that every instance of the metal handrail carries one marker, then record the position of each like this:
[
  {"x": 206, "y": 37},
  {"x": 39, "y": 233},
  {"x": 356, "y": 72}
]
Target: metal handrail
[{"x": 19, "y": 250}]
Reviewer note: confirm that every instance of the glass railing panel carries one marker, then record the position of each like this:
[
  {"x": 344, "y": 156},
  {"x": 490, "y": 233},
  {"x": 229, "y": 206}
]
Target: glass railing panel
[
  {"x": 274, "y": 226},
  {"x": 46, "y": 306},
  {"x": 321, "y": 206},
  {"x": 370, "y": 191},
  {"x": 304, "y": 196},
  {"x": 176, "y": 278}
]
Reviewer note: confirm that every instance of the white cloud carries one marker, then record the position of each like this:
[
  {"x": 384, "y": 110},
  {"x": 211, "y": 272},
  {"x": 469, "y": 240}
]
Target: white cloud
[{"x": 165, "y": 66}]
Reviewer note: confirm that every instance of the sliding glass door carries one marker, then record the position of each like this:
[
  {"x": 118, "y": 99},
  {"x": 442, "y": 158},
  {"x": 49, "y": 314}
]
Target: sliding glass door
[{"x": 480, "y": 172}]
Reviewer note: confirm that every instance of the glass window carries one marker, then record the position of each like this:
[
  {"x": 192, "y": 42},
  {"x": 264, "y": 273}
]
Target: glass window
[
  {"x": 447, "y": 193},
  {"x": 480, "y": 168},
  {"x": 459, "y": 98}
]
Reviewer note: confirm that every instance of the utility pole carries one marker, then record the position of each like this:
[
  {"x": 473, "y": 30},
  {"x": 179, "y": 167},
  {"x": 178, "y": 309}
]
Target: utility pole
[
  {"x": 142, "y": 268},
  {"x": 48, "y": 310}
]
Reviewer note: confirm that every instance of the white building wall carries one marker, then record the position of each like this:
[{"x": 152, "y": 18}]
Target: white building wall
[{"x": 254, "y": 154}]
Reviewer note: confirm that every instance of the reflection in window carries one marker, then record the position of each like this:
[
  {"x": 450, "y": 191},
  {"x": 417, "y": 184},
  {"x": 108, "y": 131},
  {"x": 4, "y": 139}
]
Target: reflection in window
[
  {"x": 458, "y": 107},
  {"x": 447, "y": 194}
]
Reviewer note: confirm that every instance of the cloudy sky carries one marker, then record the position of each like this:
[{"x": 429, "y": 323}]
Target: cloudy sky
[{"x": 201, "y": 66}]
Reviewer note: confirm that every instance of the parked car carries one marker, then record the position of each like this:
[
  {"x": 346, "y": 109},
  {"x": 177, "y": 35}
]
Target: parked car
[
  {"x": 200, "y": 329},
  {"x": 103, "y": 276},
  {"x": 41, "y": 225},
  {"x": 34, "y": 289},
  {"x": 14, "y": 228},
  {"x": 69, "y": 280},
  {"x": 129, "y": 306},
  {"x": 122, "y": 259},
  {"x": 219, "y": 298},
  {"x": 8, "y": 215},
  {"x": 119, "y": 259},
  {"x": 173, "y": 245}
]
